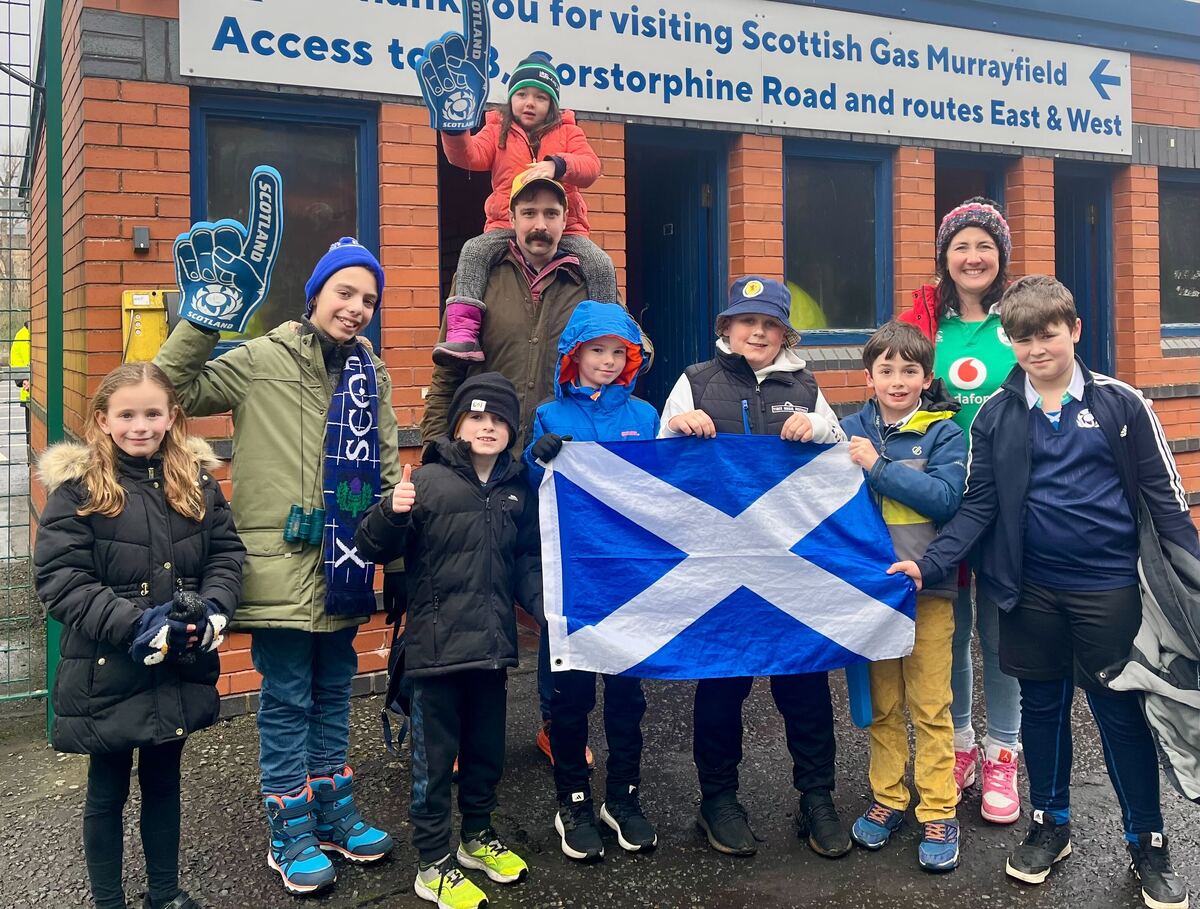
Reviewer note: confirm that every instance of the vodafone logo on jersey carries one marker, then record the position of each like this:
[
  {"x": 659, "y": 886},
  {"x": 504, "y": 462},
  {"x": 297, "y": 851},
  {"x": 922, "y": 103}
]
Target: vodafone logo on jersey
[{"x": 967, "y": 373}]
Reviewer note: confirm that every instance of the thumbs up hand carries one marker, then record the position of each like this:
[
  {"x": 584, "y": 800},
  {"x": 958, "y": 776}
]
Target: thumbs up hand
[{"x": 404, "y": 496}]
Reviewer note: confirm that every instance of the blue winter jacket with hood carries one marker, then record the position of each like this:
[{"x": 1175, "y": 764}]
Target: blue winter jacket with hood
[{"x": 610, "y": 414}]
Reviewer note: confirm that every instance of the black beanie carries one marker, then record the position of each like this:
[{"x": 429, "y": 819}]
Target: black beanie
[
  {"x": 535, "y": 71},
  {"x": 488, "y": 392}
]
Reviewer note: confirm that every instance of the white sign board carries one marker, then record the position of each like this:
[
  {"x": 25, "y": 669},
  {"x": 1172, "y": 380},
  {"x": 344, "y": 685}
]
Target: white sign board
[{"x": 744, "y": 62}]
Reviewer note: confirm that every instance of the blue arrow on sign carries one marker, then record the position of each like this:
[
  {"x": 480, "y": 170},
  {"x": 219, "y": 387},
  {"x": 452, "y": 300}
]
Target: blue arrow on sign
[{"x": 1100, "y": 79}]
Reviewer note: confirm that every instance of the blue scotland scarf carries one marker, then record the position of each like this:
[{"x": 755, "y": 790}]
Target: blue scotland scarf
[{"x": 351, "y": 484}]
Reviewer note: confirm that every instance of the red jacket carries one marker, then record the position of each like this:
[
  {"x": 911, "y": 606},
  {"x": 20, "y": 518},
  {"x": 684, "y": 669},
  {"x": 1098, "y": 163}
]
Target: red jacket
[
  {"x": 924, "y": 310},
  {"x": 483, "y": 152}
]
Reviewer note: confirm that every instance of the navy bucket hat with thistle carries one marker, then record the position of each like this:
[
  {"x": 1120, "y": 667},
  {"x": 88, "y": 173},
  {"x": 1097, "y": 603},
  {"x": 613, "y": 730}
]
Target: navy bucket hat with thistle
[{"x": 762, "y": 296}]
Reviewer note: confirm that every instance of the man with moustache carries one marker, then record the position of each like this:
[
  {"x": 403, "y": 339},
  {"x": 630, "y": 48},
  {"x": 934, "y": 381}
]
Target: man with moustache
[{"x": 530, "y": 295}]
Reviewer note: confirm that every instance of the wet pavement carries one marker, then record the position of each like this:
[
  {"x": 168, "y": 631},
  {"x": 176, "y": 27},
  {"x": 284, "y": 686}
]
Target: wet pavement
[{"x": 224, "y": 834}]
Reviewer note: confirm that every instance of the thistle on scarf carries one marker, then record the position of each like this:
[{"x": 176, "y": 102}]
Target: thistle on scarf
[{"x": 351, "y": 484}]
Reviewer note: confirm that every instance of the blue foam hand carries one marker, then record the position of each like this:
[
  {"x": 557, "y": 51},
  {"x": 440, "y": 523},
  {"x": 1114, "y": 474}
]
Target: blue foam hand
[
  {"x": 453, "y": 71},
  {"x": 224, "y": 268}
]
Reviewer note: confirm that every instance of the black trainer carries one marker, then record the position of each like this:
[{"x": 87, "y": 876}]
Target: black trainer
[
  {"x": 1045, "y": 844},
  {"x": 817, "y": 821},
  {"x": 724, "y": 822},
  {"x": 181, "y": 901},
  {"x": 623, "y": 813},
  {"x": 1150, "y": 860},
  {"x": 576, "y": 825}
]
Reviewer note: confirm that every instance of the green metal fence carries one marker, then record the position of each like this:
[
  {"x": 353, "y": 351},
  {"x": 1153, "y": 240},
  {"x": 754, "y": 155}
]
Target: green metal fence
[{"x": 22, "y": 626}]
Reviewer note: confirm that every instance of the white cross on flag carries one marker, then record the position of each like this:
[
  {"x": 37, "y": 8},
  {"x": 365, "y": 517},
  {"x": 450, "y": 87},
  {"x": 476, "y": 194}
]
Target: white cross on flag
[{"x": 698, "y": 558}]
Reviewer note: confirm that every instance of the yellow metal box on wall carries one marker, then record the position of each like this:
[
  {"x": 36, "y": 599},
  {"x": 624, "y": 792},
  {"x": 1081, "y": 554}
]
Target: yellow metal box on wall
[{"x": 143, "y": 323}]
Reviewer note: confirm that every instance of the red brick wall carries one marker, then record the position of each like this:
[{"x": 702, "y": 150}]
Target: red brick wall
[
  {"x": 1166, "y": 92},
  {"x": 37, "y": 310},
  {"x": 1137, "y": 321},
  {"x": 1135, "y": 276},
  {"x": 135, "y": 165},
  {"x": 408, "y": 250},
  {"x": 1029, "y": 205},
  {"x": 238, "y": 675},
  {"x": 914, "y": 227},
  {"x": 606, "y": 197},
  {"x": 168, "y": 9},
  {"x": 756, "y": 207}
]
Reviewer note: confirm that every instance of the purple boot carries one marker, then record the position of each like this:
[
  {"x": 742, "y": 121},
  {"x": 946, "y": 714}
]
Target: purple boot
[{"x": 464, "y": 320}]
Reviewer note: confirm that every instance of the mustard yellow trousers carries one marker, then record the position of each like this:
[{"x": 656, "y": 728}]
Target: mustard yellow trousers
[{"x": 920, "y": 682}]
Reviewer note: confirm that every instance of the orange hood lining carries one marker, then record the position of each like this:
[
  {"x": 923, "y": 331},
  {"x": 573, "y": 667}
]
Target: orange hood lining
[{"x": 568, "y": 369}]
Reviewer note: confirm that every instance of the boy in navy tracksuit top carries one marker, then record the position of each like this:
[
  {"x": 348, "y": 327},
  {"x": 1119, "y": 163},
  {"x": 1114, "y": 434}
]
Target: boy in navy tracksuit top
[
  {"x": 600, "y": 356},
  {"x": 1059, "y": 457}
]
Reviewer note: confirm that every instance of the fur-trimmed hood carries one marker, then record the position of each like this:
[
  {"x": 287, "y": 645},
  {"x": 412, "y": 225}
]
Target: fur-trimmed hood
[{"x": 68, "y": 461}]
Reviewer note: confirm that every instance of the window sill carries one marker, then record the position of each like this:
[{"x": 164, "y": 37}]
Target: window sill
[{"x": 1181, "y": 345}]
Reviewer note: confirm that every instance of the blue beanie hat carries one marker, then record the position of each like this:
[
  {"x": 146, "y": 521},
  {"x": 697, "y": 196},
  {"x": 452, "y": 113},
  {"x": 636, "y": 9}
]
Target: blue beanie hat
[{"x": 345, "y": 253}]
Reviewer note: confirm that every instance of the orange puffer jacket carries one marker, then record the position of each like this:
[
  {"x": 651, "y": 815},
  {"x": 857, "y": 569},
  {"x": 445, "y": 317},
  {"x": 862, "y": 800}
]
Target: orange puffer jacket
[{"x": 483, "y": 152}]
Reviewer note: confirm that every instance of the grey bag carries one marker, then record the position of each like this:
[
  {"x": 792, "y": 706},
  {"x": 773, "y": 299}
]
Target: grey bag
[{"x": 1164, "y": 663}]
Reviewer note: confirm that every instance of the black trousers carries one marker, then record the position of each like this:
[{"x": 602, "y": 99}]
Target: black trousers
[
  {"x": 624, "y": 706},
  {"x": 803, "y": 700},
  {"x": 103, "y": 835},
  {"x": 1054, "y": 640},
  {"x": 460, "y": 714}
]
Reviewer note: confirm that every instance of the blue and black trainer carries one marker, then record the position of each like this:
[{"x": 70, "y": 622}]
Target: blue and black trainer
[
  {"x": 938, "y": 850},
  {"x": 294, "y": 852},
  {"x": 340, "y": 828},
  {"x": 876, "y": 825}
]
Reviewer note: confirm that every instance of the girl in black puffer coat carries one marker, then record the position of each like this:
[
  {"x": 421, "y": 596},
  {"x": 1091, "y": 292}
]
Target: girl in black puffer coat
[{"x": 138, "y": 558}]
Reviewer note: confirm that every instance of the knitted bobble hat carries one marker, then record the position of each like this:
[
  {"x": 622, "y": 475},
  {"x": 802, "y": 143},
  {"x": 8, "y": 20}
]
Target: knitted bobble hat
[
  {"x": 535, "y": 71},
  {"x": 981, "y": 213},
  {"x": 345, "y": 253}
]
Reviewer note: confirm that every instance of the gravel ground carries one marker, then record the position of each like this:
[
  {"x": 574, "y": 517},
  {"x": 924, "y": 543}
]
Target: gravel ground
[{"x": 224, "y": 835}]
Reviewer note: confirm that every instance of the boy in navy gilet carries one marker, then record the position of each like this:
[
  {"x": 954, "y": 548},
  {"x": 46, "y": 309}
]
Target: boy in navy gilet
[{"x": 757, "y": 384}]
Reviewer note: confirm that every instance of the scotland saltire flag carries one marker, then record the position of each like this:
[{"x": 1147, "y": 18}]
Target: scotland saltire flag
[{"x": 702, "y": 558}]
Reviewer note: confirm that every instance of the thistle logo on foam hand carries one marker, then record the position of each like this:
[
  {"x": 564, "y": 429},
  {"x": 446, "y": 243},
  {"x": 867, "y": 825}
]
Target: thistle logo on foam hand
[{"x": 968, "y": 373}]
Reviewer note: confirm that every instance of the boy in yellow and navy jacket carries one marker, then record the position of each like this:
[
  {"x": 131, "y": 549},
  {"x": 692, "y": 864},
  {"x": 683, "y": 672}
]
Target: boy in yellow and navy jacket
[{"x": 914, "y": 457}]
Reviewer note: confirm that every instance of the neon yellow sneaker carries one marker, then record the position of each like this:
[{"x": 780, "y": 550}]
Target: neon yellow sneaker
[
  {"x": 445, "y": 884},
  {"x": 484, "y": 852}
]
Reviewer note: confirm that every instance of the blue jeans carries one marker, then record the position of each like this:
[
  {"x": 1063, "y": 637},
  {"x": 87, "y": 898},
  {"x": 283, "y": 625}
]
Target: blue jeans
[
  {"x": 304, "y": 715},
  {"x": 1001, "y": 692}
]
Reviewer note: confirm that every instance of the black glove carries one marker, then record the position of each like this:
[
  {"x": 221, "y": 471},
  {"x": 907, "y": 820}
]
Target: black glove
[
  {"x": 395, "y": 596},
  {"x": 546, "y": 448},
  {"x": 158, "y": 637},
  {"x": 192, "y": 609}
]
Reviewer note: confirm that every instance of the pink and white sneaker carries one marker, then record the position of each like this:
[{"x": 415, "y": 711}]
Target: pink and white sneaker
[
  {"x": 964, "y": 769},
  {"x": 1000, "y": 803}
]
